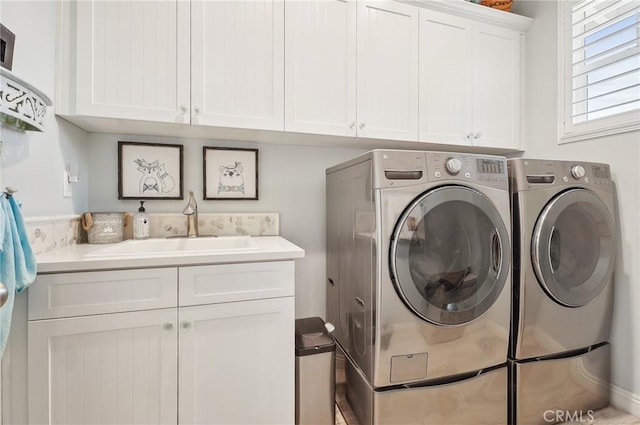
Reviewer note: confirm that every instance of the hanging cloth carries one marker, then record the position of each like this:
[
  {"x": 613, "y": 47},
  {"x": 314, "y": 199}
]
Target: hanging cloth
[{"x": 17, "y": 263}]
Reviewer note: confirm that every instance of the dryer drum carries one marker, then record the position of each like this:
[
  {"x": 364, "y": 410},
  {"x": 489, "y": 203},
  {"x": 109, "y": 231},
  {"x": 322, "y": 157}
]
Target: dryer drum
[{"x": 573, "y": 247}]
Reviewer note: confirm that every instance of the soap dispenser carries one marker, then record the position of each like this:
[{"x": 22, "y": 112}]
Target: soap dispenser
[{"x": 141, "y": 223}]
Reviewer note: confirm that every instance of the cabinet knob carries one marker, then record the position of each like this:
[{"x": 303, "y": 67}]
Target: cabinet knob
[
  {"x": 182, "y": 109},
  {"x": 361, "y": 126},
  {"x": 167, "y": 326},
  {"x": 196, "y": 111},
  {"x": 185, "y": 325},
  {"x": 477, "y": 136},
  {"x": 352, "y": 125}
]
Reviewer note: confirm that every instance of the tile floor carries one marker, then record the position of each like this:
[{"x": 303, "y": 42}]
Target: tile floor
[{"x": 607, "y": 416}]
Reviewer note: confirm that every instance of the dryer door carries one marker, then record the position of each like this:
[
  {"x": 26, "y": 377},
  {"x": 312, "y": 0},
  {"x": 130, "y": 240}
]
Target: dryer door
[
  {"x": 450, "y": 255},
  {"x": 573, "y": 247}
]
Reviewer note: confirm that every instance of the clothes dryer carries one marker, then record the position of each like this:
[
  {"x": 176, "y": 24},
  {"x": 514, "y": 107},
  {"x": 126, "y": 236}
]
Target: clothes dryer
[
  {"x": 564, "y": 244},
  {"x": 419, "y": 265}
]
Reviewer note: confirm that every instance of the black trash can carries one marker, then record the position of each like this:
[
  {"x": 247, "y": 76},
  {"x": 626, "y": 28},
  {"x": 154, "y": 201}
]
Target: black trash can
[{"x": 315, "y": 373}]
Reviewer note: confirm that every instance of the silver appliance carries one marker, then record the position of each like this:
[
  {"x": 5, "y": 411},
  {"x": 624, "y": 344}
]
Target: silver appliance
[
  {"x": 564, "y": 242},
  {"x": 418, "y": 270}
]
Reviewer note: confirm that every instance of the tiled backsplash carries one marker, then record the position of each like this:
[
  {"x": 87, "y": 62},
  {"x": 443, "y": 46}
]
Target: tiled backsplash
[
  {"x": 49, "y": 233},
  {"x": 258, "y": 224}
]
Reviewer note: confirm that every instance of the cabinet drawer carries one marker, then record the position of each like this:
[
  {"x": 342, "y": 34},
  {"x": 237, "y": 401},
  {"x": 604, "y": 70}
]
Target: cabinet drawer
[
  {"x": 80, "y": 294},
  {"x": 236, "y": 282}
]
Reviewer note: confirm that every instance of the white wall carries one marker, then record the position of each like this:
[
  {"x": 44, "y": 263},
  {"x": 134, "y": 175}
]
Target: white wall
[
  {"x": 34, "y": 162},
  {"x": 292, "y": 183},
  {"x": 622, "y": 152}
]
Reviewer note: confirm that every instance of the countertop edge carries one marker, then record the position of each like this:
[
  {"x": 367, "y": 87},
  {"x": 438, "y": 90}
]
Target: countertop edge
[{"x": 72, "y": 259}]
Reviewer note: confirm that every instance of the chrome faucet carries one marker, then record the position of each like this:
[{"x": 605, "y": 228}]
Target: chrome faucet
[{"x": 191, "y": 211}]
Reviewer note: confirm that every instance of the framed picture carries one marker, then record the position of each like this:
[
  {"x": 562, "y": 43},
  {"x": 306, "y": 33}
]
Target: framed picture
[
  {"x": 149, "y": 171},
  {"x": 7, "y": 43},
  {"x": 230, "y": 173}
]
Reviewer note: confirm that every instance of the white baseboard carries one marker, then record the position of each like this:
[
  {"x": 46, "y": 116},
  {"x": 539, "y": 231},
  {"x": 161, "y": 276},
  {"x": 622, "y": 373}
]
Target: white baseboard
[{"x": 625, "y": 400}]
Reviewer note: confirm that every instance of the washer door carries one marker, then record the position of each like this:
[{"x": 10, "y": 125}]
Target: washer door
[
  {"x": 450, "y": 255},
  {"x": 573, "y": 247}
]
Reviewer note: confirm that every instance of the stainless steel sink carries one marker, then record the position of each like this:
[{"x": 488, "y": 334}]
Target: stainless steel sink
[{"x": 177, "y": 246}]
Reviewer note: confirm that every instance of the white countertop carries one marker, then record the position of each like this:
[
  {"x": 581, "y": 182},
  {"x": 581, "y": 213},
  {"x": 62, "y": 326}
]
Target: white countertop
[{"x": 78, "y": 257}]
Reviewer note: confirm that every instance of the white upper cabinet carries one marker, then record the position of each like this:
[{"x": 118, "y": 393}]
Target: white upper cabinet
[
  {"x": 440, "y": 72},
  {"x": 497, "y": 87},
  {"x": 445, "y": 78},
  {"x": 132, "y": 60},
  {"x": 320, "y": 67},
  {"x": 470, "y": 82},
  {"x": 237, "y": 64},
  {"x": 387, "y": 76},
  {"x": 214, "y": 63}
]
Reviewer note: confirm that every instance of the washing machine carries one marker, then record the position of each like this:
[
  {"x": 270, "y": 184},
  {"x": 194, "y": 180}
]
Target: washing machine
[
  {"x": 419, "y": 285},
  {"x": 564, "y": 240}
]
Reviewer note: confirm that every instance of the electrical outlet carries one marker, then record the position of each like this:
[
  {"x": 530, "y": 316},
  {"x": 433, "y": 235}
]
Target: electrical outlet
[{"x": 66, "y": 186}]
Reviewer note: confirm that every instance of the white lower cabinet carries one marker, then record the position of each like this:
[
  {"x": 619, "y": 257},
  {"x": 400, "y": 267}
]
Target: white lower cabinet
[
  {"x": 217, "y": 358},
  {"x": 105, "y": 369},
  {"x": 236, "y": 362}
]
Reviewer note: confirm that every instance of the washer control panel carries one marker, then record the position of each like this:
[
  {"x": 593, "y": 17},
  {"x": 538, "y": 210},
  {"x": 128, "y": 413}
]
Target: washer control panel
[{"x": 485, "y": 169}]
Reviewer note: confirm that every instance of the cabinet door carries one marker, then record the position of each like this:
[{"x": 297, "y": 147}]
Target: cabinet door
[
  {"x": 387, "y": 70},
  {"x": 445, "y": 78},
  {"x": 107, "y": 369},
  {"x": 320, "y": 67},
  {"x": 237, "y": 63},
  {"x": 236, "y": 363},
  {"x": 133, "y": 60},
  {"x": 497, "y": 86}
]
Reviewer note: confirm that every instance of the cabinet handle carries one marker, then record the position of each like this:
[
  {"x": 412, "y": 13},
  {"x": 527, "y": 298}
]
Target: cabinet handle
[
  {"x": 185, "y": 325},
  {"x": 167, "y": 326},
  {"x": 4, "y": 294}
]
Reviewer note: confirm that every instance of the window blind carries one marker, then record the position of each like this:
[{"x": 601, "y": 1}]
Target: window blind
[{"x": 605, "y": 59}]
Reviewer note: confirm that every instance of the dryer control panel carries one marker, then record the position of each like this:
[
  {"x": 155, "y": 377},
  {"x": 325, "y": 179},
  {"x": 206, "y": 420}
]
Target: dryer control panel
[{"x": 531, "y": 174}]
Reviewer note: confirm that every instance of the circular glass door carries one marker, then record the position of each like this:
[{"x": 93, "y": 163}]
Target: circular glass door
[
  {"x": 450, "y": 255},
  {"x": 573, "y": 247}
]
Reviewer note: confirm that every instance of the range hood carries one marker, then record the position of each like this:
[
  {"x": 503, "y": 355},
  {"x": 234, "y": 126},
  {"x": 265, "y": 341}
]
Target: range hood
[{"x": 22, "y": 106}]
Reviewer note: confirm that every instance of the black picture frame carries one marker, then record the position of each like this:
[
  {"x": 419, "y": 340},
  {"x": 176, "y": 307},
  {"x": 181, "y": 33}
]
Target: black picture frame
[
  {"x": 150, "y": 170},
  {"x": 7, "y": 44},
  {"x": 230, "y": 173}
]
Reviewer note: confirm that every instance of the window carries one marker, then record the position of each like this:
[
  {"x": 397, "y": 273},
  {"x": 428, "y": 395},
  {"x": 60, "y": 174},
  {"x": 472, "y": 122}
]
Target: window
[{"x": 599, "y": 67}]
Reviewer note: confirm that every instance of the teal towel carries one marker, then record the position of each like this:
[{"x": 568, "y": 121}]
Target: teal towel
[{"x": 17, "y": 262}]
